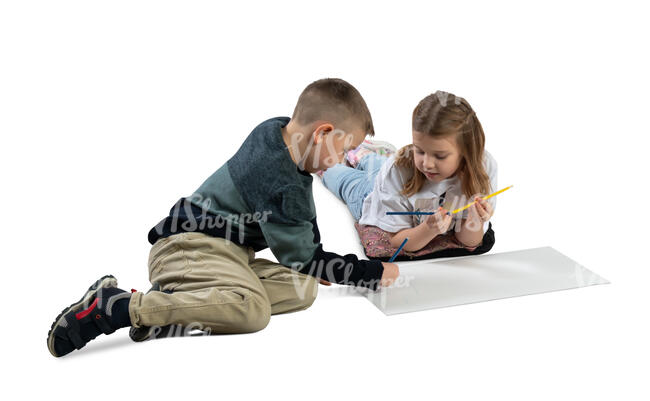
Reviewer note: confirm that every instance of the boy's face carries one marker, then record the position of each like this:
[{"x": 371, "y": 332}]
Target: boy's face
[
  {"x": 330, "y": 145},
  {"x": 436, "y": 158}
]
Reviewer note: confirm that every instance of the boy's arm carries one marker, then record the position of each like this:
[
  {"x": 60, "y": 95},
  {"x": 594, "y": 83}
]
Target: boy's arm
[{"x": 298, "y": 246}]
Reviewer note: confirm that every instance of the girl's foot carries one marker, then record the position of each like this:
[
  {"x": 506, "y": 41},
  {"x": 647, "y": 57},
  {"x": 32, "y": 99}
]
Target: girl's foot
[
  {"x": 354, "y": 156},
  {"x": 369, "y": 146}
]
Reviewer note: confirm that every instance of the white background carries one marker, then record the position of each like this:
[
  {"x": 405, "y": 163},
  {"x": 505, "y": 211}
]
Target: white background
[{"x": 111, "y": 111}]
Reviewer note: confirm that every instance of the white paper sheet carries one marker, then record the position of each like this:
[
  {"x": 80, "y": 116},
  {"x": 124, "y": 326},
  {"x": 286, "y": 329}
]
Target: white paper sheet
[{"x": 455, "y": 281}]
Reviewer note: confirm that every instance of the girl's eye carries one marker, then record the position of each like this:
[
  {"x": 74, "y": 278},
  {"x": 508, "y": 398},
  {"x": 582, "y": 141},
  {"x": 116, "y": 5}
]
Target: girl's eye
[
  {"x": 441, "y": 158},
  {"x": 418, "y": 151}
]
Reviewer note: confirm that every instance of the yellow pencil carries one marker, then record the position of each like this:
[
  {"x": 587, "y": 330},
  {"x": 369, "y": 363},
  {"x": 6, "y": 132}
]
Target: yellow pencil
[{"x": 487, "y": 197}]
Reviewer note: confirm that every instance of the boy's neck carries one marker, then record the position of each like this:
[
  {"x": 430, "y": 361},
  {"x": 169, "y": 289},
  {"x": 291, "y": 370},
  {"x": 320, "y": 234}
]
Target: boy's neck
[{"x": 288, "y": 132}]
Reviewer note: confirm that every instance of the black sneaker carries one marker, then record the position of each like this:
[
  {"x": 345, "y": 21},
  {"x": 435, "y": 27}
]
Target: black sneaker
[{"x": 102, "y": 309}]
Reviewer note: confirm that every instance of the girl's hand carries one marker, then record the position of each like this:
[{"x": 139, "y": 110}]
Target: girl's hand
[
  {"x": 439, "y": 222},
  {"x": 480, "y": 212}
]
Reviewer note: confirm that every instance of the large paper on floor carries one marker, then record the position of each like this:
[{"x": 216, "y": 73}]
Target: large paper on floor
[{"x": 456, "y": 281}]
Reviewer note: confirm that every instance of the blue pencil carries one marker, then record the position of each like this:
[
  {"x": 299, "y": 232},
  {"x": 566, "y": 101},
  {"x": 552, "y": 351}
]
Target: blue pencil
[
  {"x": 412, "y": 213},
  {"x": 398, "y": 250}
]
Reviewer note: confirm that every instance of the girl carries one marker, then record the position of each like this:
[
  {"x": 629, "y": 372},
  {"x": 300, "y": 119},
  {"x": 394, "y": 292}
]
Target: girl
[{"x": 444, "y": 168}]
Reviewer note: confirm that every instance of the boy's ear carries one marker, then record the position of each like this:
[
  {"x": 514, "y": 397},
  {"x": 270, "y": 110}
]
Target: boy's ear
[{"x": 322, "y": 130}]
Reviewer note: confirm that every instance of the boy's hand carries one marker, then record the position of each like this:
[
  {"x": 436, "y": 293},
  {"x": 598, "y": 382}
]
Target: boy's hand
[
  {"x": 439, "y": 222},
  {"x": 391, "y": 272}
]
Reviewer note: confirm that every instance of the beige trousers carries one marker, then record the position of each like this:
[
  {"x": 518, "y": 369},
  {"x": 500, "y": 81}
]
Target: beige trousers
[{"x": 217, "y": 285}]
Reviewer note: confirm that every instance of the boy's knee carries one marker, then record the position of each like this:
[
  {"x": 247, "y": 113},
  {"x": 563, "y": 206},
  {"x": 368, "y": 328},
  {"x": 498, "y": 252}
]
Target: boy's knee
[
  {"x": 308, "y": 294},
  {"x": 257, "y": 316},
  {"x": 312, "y": 291}
]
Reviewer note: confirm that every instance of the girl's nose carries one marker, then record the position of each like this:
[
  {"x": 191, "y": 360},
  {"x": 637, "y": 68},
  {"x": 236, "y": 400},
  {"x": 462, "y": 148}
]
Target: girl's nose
[{"x": 429, "y": 163}]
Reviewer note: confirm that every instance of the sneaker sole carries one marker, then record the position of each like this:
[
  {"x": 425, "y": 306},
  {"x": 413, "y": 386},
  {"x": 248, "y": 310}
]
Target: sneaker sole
[{"x": 106, "y": 281}]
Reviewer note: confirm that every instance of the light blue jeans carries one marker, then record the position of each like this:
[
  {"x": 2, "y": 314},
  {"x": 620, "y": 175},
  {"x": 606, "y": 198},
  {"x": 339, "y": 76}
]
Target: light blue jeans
[{"x": 352, "y": 185}]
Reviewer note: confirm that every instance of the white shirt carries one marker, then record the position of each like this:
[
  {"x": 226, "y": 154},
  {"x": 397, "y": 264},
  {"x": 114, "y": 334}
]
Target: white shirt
[{"x": 386, "y": 196}]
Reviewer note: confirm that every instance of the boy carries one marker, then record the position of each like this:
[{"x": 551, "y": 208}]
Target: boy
[{"x": 202, "y": 263}]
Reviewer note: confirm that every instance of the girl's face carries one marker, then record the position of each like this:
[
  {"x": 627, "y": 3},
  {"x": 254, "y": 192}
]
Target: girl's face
[{"x": 436, "y": 158}]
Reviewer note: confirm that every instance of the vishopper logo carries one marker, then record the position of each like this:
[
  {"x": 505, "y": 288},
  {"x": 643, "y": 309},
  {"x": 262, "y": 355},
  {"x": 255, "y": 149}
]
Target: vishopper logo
[
  {"x": 444, "y": 96},
  {"x": 189, "y": 222},
  {"x": 333, "y": 155},
  {"x": 337, "y": 270},
  {"x": 176, "y": 330},
  {"x": 103, "y": 285}
]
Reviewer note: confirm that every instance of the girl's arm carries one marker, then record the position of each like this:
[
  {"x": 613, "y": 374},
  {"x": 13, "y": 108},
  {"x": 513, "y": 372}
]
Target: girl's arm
[
  {"x": 418, "y": 236},
  {"x": 471, "y": 230},
  {"x": 470, "y": 234},
  {"x": 423, "y": 233}
]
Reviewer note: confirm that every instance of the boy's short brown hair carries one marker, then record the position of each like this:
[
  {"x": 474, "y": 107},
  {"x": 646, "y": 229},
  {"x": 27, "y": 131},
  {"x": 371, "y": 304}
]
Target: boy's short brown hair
[{"x": 335, "y": 100}]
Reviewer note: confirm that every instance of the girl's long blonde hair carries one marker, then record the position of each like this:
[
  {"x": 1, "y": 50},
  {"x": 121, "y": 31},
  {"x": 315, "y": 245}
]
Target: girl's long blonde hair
[{"x": 439, "y": 115}]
